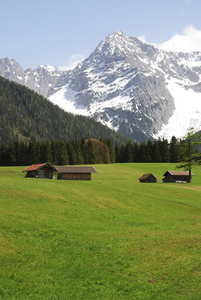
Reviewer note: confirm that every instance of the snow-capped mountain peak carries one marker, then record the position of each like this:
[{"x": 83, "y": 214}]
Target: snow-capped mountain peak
[{"x": 132, "y": 87}]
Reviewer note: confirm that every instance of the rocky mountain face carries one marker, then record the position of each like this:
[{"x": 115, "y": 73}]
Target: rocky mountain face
[
  {"x": 125, "y": 84},
  {"x": 40, "y": 80}
]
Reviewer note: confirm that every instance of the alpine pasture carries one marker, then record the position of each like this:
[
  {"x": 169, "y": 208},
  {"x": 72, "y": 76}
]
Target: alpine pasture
[{"x": 109, "y": 238}]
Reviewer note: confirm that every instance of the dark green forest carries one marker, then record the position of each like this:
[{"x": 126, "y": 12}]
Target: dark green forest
[
  {"x": 27, "y": 116},
  {"x": 33, "y": 130},
  {"x": 91, "y": 151}
]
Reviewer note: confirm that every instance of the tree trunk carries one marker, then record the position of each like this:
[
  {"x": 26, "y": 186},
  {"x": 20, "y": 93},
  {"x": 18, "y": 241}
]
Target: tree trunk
[{"x": 190, "y": 176}]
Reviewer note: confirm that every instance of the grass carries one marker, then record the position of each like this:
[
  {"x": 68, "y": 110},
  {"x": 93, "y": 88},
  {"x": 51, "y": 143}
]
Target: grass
[{"x": 110, "y": 238}]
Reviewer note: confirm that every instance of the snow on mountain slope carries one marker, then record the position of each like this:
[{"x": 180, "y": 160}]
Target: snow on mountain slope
[
  {"x": 120, "y": 86},
  {"x": 138, "y": 90},
  {"x": 65, "y": 98},
  {"x": 187, "y": 113}
]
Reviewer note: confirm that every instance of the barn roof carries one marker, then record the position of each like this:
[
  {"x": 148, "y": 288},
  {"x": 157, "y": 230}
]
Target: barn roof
[
  {"x": 76, "y": 169},
  {"x": 145, "y": 176},
  {"x": 178, "y": 173},
  {"x": 36, "y": 167}
]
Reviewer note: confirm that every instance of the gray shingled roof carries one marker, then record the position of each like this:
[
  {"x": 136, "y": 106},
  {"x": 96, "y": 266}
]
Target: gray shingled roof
[
  {"x": 76, "y": 169},
  {"x": 178, "y": 173}
]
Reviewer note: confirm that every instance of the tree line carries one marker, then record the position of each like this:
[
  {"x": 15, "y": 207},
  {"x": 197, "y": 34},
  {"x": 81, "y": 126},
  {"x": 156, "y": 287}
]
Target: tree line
[
  {"x": 91, "y": 151},
  {"x": 151, "y": 151}
]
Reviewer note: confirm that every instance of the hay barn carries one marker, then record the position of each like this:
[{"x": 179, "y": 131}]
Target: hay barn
[
  {"x": 75, "y": 173},
  {"x": 147, "y": 178},
  {"x": 177, "y": 176},
  {"x": 44, "y": 170}
]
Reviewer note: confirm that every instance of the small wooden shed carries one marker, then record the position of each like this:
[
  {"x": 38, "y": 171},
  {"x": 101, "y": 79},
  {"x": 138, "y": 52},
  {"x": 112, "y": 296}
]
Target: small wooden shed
[
  {"x": 147, "y": 178},
  {"x": 44, "y": 170},
  {"x": 75, "y": 173},
  {"x": 177, "y": 176}
]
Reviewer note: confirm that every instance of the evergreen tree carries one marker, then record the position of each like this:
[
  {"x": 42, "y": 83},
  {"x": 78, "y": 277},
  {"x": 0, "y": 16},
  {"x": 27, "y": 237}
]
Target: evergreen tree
[
  {"x": 62, "y": 153},
  {"x": 55, "y": 157},
  {"x": 128, "y": 156},
  {"x": 110, "y": 146},
  {"x": 33, "y": 153},
  {"x": 143, "y": 152},
  {"x": 190, "y": 151},
  {"x": 72, "y": 154},
  {"x": 164, "y": 150},
  {"x": 156, "y": 152},
  {"x": 4, "y": 155},
  {"x": 118, "y": 153},
  {"x": 23, "y": 154},
  {"x": 11, "y": 152},
  {"x": 77, "y": 148},
  {"x": 136, "y": 152},
  {"x": 149, "y": 151},
  {"x": 91, "y": 156},
  {"x": 174, "y": 149},
  {"x": 83, "y": 147},
  {"x": 46, "y": 152}
]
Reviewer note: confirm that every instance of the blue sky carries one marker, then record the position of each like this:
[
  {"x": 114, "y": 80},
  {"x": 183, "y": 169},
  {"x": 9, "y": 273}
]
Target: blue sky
[{"x": 62, "y": 32}]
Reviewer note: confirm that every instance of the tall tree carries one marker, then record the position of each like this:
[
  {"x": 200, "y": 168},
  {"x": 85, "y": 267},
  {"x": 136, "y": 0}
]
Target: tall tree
[
  {"x": 156, "y": 151},
  {"x": 129, "y": 152},
  {"x": 174, "y": 149},
  {"x": 164, "y": 150},
  {"x": 91, "y": 155},
  {"x": 190, "y": 151},
  {"x": 150, "y": 149},
  {"x": 110, "y": 146}
]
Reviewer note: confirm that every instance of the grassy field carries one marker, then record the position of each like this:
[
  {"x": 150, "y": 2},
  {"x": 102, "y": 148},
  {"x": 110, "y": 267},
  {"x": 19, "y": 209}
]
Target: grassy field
[{"x": 110, "y": 238}]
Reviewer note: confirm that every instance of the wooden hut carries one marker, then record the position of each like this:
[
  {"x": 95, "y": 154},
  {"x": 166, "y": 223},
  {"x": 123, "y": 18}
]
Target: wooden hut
[
  {"x": 177, "y": 176},
  {"x": 147, "y": 178},
  {"x": 44, "y": 170},
  {"x": 75, "y": 173}
]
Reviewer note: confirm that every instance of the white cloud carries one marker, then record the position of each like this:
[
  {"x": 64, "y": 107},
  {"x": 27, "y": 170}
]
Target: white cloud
[
  {"x": 72, "y": 62},
  {"x": 188, "y": 41},
  {"x": 142, "y": 38}
]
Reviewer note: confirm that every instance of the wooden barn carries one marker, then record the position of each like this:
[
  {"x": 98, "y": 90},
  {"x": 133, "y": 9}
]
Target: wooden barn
[
  {"x": 147, "y": 178},
  {"x": 44, "y": 170},
  {"x": 177, "y": 176},
  {"x": 75, "y": 173}
]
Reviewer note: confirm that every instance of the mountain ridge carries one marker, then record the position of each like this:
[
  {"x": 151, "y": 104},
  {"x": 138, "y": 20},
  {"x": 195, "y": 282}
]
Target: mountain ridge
[{"x": 128, "y": 85}]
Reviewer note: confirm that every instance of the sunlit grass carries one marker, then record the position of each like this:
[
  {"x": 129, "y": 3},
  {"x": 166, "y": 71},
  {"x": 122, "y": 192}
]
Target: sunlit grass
[{"x": 110, "y": 238}]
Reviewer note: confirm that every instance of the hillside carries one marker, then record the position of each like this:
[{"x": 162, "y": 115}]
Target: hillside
[{"x": 26, "y": 115}]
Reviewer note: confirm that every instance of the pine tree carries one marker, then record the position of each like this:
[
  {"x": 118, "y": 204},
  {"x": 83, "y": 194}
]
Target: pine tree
[
  {"x": 149, "y": 151},
  {"x": 83, "y": 147},
  {"x": 164, "y": 150},
  {"x": 62, "y": 152},
  {"x": 129, "y": 152},
  {"x": 190, "y": 151},
  {"x": 72, "y": 154},
  {"x": 46, "y": 152},
  {"x": 110, "y": 146},
  {"x": 136, "y": 152},
  {"x": 174, "y": 149},
  {"x": 77, "y": 148},
  {"x": 156, "y": 152},
  {"x": 91, "y": 156},
  {"x": 143, "y": 152}
]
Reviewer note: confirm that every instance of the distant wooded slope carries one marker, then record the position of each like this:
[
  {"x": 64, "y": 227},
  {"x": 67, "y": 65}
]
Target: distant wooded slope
[{"x": 25, "y": 115}]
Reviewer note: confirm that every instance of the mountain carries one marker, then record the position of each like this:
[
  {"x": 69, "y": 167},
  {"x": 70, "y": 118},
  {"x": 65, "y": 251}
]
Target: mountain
[
  {"x": 26, "y": 115},
  {"x": 40, "y": 80},
  {"x": 130, "y": 86}
]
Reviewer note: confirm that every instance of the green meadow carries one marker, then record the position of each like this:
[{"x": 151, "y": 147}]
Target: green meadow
[{"x": 109, "y": 238}]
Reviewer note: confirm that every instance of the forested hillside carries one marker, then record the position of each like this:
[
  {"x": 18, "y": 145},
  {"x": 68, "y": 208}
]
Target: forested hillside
[{"x": 26, "y": 116}]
